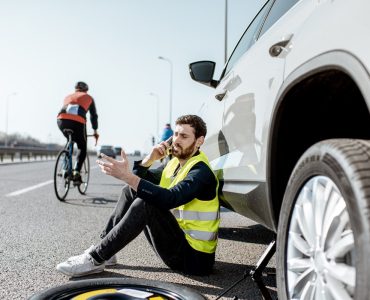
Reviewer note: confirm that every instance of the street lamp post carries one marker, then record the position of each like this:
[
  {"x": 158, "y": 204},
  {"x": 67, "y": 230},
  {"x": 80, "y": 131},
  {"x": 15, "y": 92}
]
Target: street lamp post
[
  {"x": 6, "y": 117},
  {"x": 157, "y": 99},
  {"x": 171, "y": 73},
  {"x": 226, "y": 12}
]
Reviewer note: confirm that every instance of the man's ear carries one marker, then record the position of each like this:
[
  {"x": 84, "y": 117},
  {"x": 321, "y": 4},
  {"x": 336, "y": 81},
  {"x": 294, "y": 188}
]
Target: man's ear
[{"x": 200, "y": 141}]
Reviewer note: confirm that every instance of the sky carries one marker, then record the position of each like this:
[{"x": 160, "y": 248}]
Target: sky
[{"x": 113, "y": 45}]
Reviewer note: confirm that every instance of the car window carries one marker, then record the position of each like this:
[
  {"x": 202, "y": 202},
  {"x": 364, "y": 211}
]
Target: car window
[
  {"x": 279, "y": 8},
  {"x": 248, "y": 38}
]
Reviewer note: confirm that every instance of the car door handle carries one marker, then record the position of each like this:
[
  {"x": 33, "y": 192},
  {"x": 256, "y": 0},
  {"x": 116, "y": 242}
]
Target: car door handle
[
  {"x": 276, "y": 49},
  {"x": 221, "y": 95}
]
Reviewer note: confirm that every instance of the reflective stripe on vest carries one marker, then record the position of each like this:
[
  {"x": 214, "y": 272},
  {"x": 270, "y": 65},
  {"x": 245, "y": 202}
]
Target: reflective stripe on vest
[
  {"x": 199, "y": 219},
  {"x": 196, "y": 215},
  {"x": 202, "y": 235}
]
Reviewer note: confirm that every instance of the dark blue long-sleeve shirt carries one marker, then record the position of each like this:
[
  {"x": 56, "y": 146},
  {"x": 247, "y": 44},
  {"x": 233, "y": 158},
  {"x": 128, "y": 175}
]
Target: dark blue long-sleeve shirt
[{"x": 199, "y": 183}]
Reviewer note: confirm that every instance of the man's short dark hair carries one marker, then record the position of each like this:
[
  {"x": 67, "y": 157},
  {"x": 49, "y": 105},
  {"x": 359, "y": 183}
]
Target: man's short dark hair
[{"x": 200, "y": 127}]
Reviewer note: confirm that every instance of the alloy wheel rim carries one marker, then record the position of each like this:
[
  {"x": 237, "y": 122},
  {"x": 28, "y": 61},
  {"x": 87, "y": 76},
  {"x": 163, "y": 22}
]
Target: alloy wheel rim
[{"x": 320, "y": 247}]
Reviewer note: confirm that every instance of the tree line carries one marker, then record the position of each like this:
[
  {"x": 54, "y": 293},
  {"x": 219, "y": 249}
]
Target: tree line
[{"x": 19, "y": 140}]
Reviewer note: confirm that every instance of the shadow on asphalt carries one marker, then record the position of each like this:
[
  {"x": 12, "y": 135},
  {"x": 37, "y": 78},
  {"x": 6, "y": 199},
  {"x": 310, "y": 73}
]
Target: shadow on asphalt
[
  {"x": 223, "y": 277},
  {"x": 92, "y": 202},
  {"x": 256, "y": 234},
  {"x": 110, "y": 184}
]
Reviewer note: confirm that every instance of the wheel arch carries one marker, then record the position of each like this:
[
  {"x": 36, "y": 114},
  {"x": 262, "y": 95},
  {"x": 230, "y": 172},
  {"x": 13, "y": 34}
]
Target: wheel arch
[{"x": 333, "y": 90}]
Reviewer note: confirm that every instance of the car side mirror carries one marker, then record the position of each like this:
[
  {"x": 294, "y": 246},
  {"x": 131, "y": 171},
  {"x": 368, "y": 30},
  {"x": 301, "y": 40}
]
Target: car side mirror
[{"x": 202, "y": 72}]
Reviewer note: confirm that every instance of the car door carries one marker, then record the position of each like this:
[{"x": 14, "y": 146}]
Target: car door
[
  {"x": 212, "y": 112},
  {"x": 249, "y": 92}
]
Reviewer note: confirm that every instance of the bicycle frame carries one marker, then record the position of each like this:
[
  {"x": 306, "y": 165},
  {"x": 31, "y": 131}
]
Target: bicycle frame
[{"x": 69, "y": 148}]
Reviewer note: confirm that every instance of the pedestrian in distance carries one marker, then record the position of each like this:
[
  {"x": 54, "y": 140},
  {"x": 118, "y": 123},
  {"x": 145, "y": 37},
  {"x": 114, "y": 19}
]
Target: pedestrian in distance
[
  {"x": 167, "y": 132},
  {"x": 73, "y": 116},
  {"x": 177, "y": 207}
]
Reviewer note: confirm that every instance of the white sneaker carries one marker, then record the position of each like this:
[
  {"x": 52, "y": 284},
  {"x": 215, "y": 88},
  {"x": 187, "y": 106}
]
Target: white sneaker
[
  {"x": 112, "y": 261},
  {"x": 81, "y": 265},
  {"x": 88, "y": 250},
  {"x": 109, "y": 263}
]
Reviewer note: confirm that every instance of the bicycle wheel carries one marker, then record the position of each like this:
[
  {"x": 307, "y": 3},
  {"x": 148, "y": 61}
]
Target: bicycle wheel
[
  {"x": 61, "y": 179},
  {"x": 85, "y": 176}
]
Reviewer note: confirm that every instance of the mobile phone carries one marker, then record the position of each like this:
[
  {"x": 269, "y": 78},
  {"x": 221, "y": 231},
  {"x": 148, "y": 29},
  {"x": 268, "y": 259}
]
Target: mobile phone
[{"x": 169, "y": 149}]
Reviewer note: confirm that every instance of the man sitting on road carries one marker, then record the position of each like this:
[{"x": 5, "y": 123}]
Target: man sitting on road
[{"x": 186, "y": 238}]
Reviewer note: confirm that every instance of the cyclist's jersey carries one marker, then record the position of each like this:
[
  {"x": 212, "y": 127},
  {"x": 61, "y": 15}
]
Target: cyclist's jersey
[{"x": 75, "y": 107}]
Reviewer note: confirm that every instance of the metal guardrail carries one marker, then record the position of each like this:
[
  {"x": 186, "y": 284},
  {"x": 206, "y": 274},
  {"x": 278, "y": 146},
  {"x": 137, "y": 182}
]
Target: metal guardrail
[{"x": 29, "y": 153}]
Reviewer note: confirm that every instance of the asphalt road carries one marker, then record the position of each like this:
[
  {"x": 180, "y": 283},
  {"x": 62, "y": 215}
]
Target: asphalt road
[{"x": 37, "y": 231}]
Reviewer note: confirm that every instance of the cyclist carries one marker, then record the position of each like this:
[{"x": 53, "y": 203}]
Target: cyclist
[{"x": 73, "y": 116}]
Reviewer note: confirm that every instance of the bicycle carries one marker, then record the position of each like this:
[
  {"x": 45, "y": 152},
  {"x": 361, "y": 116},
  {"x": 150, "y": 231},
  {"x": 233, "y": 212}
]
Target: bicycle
[{"x": 63, "y": 172}]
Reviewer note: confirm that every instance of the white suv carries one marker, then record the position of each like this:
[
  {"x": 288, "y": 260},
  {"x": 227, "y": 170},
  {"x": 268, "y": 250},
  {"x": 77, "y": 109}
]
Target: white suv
[{"x": 289, "y": 131}]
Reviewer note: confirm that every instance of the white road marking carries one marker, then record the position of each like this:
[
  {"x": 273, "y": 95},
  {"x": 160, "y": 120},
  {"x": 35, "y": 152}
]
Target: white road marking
[{"x": 22, "y": 191}]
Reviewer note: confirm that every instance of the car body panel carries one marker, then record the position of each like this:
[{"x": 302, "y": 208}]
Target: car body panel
[
  {"x": 317, "y": 37},
  {"x": 248, "y": 103},
  {"x": 241, "y": 122}
]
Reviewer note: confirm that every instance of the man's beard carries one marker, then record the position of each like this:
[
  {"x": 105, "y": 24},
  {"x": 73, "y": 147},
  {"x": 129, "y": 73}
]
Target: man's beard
[{"x": 184, "y": 153}]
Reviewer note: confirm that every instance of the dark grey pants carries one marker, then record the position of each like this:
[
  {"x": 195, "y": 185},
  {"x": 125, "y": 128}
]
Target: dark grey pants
[{"x": 133, "y": 215}]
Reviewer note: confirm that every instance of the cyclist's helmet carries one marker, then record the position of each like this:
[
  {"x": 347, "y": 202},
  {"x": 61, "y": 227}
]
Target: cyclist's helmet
[{"x": 82, "y": 86}]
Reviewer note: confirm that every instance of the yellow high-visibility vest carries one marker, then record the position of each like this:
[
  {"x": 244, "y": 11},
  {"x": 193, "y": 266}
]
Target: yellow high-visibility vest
[{"x": 199, "y": 219}]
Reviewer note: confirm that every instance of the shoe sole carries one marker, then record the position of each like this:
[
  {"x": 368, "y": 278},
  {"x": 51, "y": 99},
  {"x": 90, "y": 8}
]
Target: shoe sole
[{"x": 82, "y": 274}]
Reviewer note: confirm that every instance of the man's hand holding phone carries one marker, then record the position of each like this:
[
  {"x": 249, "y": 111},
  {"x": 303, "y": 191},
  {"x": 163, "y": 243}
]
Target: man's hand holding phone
[
  {"x": 158, "y": 152},
  {"x": 169, "y": 146}
]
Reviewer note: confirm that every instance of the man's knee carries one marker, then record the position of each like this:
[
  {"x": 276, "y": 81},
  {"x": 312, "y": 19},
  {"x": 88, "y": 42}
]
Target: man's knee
[
  {"x": 140, "y": 203},
  {"x": 127, "y": 193},
  {"x": 142, "y": 207}
]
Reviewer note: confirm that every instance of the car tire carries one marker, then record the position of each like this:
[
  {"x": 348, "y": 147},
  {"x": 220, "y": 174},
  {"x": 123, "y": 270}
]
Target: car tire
[
  {"x": 323, "y": 240},
  {"x": 101, "y": 289}
]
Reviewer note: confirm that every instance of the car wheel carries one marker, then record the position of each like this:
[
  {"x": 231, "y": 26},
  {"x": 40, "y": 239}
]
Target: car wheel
[{"x": 323, "y": 240}]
